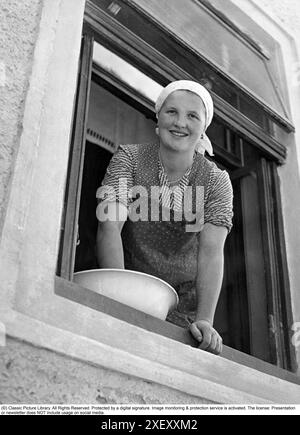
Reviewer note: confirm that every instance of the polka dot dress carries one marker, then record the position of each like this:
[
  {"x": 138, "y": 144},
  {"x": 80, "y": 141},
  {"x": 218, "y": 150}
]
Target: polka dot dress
[{"x": 164, "y": 248}]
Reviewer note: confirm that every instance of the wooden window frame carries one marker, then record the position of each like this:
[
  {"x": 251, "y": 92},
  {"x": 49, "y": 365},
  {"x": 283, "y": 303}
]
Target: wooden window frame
[
  {"x": 112, "y": 36},
  {"x": 69, "y": 230},
  {"x": 119, "y": 39},
  {"x": 278, "y": 286},
  {"x": 234, "y": 84}
]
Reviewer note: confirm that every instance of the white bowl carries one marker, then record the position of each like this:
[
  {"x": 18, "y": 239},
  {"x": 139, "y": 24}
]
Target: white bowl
[{"x": 138, "y": 290}]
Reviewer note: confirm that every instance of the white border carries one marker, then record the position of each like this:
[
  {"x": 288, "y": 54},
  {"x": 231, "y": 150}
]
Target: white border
[{"x": 29, "y": 308}]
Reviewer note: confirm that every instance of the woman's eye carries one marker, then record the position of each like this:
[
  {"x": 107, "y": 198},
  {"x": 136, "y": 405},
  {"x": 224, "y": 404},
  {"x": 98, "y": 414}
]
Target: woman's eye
[
  {"x": 171, "y": 111},
  {"x": 194, "y": 116}
]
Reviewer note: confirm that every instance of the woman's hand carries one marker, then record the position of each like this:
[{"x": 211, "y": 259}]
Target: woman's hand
[{"x": 208, "y": 337}]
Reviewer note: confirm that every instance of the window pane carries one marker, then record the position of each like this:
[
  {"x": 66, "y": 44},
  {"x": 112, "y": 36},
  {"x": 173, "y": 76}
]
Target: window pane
[
  {"x": 112, "y": 122},
  {"x": 126, "y": 72},
  {"x": 217, "y": 43}
]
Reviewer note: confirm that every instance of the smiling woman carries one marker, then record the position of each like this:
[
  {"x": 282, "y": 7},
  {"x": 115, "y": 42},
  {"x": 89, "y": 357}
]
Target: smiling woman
[{"x": 192, "y": 262}]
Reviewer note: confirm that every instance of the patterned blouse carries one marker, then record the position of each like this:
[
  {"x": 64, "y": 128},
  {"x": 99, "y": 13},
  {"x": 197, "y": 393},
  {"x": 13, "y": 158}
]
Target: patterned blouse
[{"x": 165, "y": 249}]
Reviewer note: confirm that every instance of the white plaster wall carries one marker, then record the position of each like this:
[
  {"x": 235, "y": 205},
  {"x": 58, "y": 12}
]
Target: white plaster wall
[
  {"x": 32, "y": 375},
  {"x": 287, "y": 12},
  {"x": 19, "y": 21}
]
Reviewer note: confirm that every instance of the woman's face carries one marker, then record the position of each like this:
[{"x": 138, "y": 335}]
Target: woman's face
[{"x": 181, "y": 121}]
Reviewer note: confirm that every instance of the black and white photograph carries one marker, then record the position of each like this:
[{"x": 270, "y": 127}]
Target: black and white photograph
[{"x": 149, "y": 210}]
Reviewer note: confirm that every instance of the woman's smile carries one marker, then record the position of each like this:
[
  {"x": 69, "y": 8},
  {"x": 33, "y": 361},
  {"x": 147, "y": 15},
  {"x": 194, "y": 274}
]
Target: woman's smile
[{"x": 178, "y": 134}]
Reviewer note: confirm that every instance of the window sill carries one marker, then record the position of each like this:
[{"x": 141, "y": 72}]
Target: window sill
[
  {"x": 122, "y": 312},
  {"x": 233, "y": 370},
  {"x": 95, "y": 337}
]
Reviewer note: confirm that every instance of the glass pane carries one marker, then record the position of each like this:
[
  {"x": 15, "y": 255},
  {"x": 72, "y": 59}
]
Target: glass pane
[
  {"x": 126, "y": 72},
  {"x": 197, "y": 67},
  {"x": 199, "y": 28},
  {"x": 252, "y": 112},
  {"x": 217, "y": 134},
  {"x": 112, "y": 121},
  {"x": 152, "y": 34}
]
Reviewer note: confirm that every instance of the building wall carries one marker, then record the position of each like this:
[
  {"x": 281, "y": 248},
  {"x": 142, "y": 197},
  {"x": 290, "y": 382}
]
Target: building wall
[
  {"x": 30, "y": 375},
  {"x": 287, "y": 12},
  {"x": 18, "y": 32}
]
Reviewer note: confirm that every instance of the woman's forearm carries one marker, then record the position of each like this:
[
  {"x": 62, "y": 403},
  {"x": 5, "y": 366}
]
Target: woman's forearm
[
  {"x": 110, "y": 252},
  {"x": 209, "y": 283}
]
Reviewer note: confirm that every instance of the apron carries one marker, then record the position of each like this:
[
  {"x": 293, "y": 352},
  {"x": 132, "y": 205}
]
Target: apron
[{"x": 165, "y": 249}]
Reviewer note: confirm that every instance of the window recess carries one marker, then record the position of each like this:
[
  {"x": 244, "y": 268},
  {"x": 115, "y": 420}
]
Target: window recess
[{"x": 247, "y": 307}]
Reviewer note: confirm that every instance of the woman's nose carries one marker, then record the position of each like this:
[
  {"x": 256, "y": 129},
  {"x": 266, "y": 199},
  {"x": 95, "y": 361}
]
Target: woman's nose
[{"x": 180, "y": 121}]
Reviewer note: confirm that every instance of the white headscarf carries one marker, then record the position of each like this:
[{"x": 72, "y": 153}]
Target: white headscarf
[{"x": 202, "y": 92}]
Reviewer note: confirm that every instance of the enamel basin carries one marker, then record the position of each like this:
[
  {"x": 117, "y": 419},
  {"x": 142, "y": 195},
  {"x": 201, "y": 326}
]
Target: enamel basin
[{"x": 138, "y": 290}]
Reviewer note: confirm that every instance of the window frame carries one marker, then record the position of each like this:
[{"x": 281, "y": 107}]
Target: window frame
[
  {"x": 120, "y": 40},
  {"x": 74, "y": 176},
  {"x": 91, "y": 31},
  {"x": 283, "y": 120}
]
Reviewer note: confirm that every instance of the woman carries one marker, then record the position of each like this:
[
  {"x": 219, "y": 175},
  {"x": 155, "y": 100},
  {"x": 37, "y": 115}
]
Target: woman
[{"x": 191, "y": 261}]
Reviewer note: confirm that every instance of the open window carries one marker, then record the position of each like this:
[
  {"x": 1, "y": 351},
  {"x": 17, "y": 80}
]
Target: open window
[{"x": 120, "y": 76}]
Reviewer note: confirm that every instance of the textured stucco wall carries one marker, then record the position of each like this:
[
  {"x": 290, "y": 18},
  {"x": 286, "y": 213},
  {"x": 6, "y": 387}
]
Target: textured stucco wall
[
  {"x": 287, "y": 12},
  {"x": 19, "y": 21},
  {"x": 30, "y": 375}
]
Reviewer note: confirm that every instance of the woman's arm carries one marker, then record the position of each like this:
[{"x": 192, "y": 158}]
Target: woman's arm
[
  {"x": 209, "y": 283},
  {"x": 112, "y": 212},
  {"x": 110, "y": 251}
]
